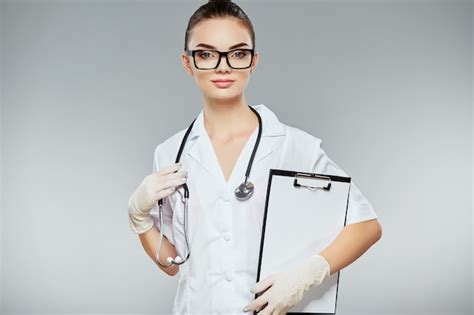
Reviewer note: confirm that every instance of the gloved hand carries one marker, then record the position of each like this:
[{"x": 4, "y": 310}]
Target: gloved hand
[
  {"x": 154, "y": 187},
  {"x": 287, "y": 288}
]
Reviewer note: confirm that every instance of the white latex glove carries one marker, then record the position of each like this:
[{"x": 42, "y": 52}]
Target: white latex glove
[
  {"x": 287, "y": 288},
  {"x": 154, "y": 187}
]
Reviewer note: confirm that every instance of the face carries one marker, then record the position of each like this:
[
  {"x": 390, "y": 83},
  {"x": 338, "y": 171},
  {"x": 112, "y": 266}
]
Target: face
[{"x": 222, "y": 34}]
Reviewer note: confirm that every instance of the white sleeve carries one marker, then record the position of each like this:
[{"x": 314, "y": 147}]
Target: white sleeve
[
  {"x": 359, "y": 209},
  {"x": 167, "y": 209}
]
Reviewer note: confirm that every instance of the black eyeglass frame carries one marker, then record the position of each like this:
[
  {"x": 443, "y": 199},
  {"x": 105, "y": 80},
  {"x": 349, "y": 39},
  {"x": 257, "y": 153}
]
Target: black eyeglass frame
[{"x": 221, "y": 53}]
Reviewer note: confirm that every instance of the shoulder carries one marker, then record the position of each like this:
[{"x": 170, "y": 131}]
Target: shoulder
[
  {"x": 171, "y": 142},
  {"x": 301, "y": 148},
  {"x": 300, "y": 139},
  {"x": 166, "y": 151}
]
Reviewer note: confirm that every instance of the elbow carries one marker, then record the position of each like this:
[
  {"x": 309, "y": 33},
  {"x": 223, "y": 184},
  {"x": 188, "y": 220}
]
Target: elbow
[
  {"x": 374, "y": 230},
  {"x": 171, "y": 271},
  {"x": 378, "y": 231}
]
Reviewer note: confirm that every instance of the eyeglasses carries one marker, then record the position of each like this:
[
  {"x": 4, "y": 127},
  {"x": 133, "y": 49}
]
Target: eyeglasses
[{"x": 210, "y": 59}]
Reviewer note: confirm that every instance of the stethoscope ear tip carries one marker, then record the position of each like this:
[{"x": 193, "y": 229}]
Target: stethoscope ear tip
[
  {"x": 177, "y": 260},
  {"x": 243, "y": 192}
]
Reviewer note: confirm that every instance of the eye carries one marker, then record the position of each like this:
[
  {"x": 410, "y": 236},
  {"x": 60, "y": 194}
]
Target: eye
[
  {"x": 205, "y": 54},
  {"x": 239, "y": 53}
]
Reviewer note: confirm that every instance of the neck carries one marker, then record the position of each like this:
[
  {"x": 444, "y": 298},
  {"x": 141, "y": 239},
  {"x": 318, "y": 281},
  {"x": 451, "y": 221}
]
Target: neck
[{"x": 225, "y": 120}]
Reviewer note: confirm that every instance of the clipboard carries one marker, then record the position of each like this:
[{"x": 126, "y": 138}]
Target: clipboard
[{"x": 304, "y": 212}]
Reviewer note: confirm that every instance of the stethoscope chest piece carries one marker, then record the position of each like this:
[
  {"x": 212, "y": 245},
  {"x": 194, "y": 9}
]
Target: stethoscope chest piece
[{"x": 244, "y": 191}]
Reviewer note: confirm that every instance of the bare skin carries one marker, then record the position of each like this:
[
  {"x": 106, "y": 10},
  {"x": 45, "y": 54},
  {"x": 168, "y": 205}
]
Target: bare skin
[
  {"x": 229, "y": 123},
  {"x": 353, "y": 240},
  {"x": 228, "y": 146},
  {"x": 149, "y": 241}
]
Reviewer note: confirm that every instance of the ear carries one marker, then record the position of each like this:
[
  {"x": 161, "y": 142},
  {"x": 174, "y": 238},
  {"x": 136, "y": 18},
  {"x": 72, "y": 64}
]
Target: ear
[
  {"x": 255, "y": 61},
  {"x": 186, "y": 61}
]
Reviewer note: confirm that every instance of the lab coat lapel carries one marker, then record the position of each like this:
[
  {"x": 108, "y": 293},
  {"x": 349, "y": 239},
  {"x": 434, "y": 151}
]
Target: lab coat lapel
[
  {"x": 272, "y": 128},
  {"x": 201, "y": 150}
]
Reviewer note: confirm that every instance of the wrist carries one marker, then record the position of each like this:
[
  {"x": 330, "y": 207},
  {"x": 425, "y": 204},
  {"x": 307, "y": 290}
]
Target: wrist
[
  {"x": 320, "y": 269},
  {"x": 140, "y": 222}
]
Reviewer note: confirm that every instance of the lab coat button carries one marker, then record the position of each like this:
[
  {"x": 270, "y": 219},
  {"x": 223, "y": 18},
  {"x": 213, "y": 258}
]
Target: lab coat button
[
  {"x": 227, "y": 236},
  {"x": 229, "y": 277}
]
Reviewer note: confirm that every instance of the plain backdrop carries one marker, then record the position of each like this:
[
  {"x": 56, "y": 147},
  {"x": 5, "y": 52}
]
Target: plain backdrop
[{"x": 89, "y": 88}]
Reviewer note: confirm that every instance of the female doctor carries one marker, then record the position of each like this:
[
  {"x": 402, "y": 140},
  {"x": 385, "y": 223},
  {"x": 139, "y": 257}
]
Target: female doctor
[{"x": 217, "y": 235}]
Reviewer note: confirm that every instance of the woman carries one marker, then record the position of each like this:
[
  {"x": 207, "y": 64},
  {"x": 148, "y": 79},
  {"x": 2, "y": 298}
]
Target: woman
[{"x": 223, "y": 232}]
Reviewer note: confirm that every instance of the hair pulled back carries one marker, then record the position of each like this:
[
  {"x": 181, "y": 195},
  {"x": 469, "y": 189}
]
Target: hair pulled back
[{"x": 218, "y": 9}]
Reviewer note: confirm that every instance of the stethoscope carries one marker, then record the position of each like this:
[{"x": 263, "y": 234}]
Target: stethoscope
[{"x": 243, "y": 192}]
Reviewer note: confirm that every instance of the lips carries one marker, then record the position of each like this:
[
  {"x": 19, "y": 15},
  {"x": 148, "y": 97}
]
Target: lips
[{"x": 222, "y": 83}]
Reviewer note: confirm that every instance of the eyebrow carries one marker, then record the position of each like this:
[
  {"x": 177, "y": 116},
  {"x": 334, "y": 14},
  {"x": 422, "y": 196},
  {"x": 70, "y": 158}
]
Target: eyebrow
[{"x": 230, "y": 48}]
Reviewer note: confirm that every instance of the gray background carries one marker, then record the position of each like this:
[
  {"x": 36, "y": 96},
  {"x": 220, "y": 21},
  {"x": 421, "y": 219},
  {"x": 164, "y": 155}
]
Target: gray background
[{"x": 89, "y": 88}]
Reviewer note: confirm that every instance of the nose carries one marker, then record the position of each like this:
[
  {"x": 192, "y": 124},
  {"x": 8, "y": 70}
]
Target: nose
[{"x": 223, "y": 63}]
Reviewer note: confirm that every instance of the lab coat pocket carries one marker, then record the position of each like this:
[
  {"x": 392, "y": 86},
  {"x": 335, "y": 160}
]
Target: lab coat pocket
[
  {"x": 181, "y": 302},
  {"x": 185, "y": 293}
]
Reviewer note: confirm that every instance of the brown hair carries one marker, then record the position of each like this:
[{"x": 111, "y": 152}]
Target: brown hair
[{"x": 218, "y": 9}]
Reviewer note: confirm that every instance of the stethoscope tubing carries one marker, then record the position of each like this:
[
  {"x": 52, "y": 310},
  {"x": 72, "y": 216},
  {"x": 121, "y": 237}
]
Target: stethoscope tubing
[{"x": 243, "y": 192}]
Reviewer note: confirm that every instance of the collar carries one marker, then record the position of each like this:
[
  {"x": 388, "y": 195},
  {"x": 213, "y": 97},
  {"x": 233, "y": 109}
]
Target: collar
[
  {"x": 202, "y": 151},
  {"x": 271, "y": 126}
]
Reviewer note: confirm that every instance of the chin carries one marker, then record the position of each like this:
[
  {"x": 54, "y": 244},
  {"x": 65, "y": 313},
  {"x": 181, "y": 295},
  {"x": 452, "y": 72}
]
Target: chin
[
  {"x": 224, "y": 95},
  {"x": 227, "y": 92}
]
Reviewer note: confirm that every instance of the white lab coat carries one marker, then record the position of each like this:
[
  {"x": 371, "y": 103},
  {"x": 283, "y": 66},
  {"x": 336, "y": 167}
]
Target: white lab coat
[{"x": 224, "y": 233}]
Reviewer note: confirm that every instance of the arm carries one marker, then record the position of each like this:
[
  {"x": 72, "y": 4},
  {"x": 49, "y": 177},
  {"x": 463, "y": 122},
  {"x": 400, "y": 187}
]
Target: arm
[
  {"x": 154, "y": 187},
  {"x": 283, "y": 290},
  {"x": 150, "y": 240},
  {"x": 351, "y": 243}
]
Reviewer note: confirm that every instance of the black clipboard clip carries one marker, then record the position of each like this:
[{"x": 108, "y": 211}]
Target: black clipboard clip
[{"x": 312, "y": 176}]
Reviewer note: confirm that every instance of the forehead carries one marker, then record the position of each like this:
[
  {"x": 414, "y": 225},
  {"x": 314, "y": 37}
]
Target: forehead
[{"x": 220, "y": 33}]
